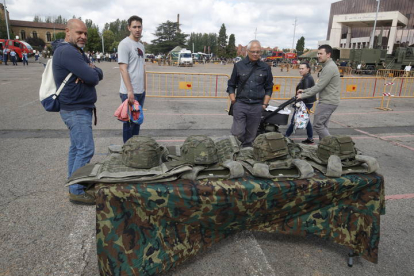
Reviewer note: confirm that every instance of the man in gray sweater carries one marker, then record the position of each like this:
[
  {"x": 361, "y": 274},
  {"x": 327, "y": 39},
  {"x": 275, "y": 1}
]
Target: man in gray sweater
[{"x": 328, "y": 87}]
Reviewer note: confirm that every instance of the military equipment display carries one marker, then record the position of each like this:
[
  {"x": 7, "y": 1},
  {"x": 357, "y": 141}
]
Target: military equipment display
[
  {"x": 373, "y": 59},
  {"x": 151, "y": 219},
  {"x": 147, "y": 229}
]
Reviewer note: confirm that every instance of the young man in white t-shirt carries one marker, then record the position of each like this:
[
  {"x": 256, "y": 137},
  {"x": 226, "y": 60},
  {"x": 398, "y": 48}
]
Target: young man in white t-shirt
[{"x": 131, "y": 60}]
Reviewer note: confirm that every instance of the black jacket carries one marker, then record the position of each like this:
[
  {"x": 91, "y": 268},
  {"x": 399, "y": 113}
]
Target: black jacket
[
  {"x": 259, "y": 84},
  {"x": 307, "y": 82}
]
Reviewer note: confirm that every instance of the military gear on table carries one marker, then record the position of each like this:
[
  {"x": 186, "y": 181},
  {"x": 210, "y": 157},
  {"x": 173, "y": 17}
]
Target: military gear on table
[
  {"x": 199, "y": 150},
  {"x": 228, "y": 170},
  {"x": 335, "y": 168},
  {"x": 113, "y": 170},
  {"x": 341, "y": 146},
  {"x": 299, "y": 169},
  {"x": 342, "y": 159},
  {"x": 227, "y": 147},
  {"x": 141, "y": 152},
  {"x": 269, "y": 146}
]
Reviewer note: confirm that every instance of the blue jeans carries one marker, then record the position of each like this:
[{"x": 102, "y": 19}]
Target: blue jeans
[
  {"x": 130, "y": 129},
  {"x": 82, "y": 147},
  {"x": 309, "y": 130}
]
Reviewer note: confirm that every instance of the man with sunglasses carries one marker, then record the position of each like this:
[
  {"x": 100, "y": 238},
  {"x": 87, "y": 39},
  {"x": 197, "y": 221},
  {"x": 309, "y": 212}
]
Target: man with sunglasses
[
  {"x": 328, "y": 87},
  {"x": 253, "y": 80}
]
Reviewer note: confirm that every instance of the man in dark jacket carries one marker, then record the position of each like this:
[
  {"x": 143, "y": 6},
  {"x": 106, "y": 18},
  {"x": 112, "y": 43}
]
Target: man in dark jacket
[
  {"x": 77, "y": 100},
  {"x": 254, "y": 82}
]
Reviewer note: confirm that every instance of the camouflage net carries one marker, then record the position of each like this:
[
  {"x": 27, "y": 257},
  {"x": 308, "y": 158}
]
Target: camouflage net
[{"x": 146, "y": 229}]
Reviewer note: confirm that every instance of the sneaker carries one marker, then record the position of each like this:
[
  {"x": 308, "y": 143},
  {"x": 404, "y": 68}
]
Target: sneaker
[
  {"x": 83, "y": 199},
  {"x": 308, "y": 141}
]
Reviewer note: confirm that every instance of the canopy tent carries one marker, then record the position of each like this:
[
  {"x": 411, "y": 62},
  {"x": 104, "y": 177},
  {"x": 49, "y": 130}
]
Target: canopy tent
[
  {"x": 174, "y": 53},
  {"x": 310, "y": 54}
]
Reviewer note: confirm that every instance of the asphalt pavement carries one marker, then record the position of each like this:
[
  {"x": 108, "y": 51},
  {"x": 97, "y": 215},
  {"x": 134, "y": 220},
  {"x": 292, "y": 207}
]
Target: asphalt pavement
[{"x": 42, "y": 233}]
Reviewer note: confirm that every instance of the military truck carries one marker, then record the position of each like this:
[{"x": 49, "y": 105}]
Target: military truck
[{"x": 372, "y": 59}]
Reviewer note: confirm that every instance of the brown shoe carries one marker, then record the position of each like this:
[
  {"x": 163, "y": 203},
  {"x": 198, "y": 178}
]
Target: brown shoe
[{"x": 83, "y": 199}]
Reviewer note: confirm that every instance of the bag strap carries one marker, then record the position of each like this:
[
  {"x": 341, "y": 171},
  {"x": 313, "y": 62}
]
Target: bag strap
[
  {"x": 248, "y": 76},
  {"x": 63, "y": 84}
]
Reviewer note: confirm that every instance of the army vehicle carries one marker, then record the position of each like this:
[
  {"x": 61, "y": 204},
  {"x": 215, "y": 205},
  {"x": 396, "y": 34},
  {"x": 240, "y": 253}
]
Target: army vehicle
[{"x": 374, "y": 59}]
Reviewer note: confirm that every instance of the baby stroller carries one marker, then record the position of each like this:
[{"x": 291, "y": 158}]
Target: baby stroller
[{"x": 271, "y": 120}]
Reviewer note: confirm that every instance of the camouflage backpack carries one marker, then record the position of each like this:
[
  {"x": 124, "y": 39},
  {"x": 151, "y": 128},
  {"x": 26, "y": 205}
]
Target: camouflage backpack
[
  {"x": 141, "y": 152},
  {"x": 269, "y": 146},
  {"x": 339, "y": 145},
  {"x": 199, "y": 150}
]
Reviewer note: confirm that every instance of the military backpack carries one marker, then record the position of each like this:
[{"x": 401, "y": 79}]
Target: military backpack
[
  {"x": 269, "y": 146},
  {"x": 339, "y": 145},
  {"x": 141, "y": 152}
]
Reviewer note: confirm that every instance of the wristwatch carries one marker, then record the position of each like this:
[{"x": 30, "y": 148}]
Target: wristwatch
[{"x": 266, "y": 105}]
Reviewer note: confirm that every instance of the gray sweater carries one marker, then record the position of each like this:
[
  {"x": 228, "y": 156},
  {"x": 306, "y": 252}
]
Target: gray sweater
[{"x": 328, "y": 85}]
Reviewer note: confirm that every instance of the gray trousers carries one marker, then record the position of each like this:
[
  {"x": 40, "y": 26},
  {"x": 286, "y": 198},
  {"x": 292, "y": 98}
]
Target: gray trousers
[
  {"x": 246, "y": 120},
  {"x": 323, "y": 113}
]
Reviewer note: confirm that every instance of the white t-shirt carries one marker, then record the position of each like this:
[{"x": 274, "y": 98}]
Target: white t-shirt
[{"x": 132, "y": 53}]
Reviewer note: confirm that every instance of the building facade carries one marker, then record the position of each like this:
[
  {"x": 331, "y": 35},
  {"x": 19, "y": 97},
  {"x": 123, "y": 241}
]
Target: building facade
[
  {"x": 360, "y": 36},
  {"x": 45, "y": 31},
  {"x": 25, "y": 29}
]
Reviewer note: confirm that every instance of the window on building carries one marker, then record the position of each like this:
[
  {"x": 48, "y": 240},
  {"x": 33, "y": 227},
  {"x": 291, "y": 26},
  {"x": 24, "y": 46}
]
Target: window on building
[
  {"x": 34, "y": 34},
  {"x": 22, "y": 35},
  {"x": 48, "y": 36}
]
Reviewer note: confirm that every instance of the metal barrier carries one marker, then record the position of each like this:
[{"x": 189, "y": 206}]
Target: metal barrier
[
  {"x": 351, "y": 88},
  {"x": 362, "y": 87},
  {"x": 402, "y": 87},
  {"x": 186, "y": 85},
  {"x": 284, "y": 87},
  {"x": 390, "y": 73}
]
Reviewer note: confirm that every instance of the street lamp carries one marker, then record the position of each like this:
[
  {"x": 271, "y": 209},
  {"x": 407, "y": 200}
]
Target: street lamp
[{"x": 371, "y": 42}]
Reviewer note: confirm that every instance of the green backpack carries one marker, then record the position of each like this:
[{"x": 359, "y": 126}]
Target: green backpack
[
  {"x": 339, "y": 145},
  {"x": 269, "y": 146},
  {"x": 141, "y": 152},
  {"x": 199, "y": 150}
]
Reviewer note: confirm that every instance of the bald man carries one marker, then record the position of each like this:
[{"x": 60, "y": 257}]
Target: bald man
[
  {"x": 77, "y": 100},
  {"x": 253, "y": 80}
]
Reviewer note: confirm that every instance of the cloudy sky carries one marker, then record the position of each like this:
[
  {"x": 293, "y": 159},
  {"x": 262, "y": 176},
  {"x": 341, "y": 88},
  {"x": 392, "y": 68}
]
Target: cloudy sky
[{"x": 274, "y": 19}]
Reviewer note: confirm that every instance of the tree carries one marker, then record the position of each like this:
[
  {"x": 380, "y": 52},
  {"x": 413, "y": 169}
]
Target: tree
[
  {"x": 168, "y": 36},
  {"x": 37, "y": 19},
  {"x": 90, "y": 25},
  {"x": 94, "y": 40},
  {"x": 300, "y": 45},
  {"x": 109, "y": 39},
  {"x": 222, "y": 41},
  {"x": 231, "y": 47},
  {"x": 119, "y": 28},
  {"x": 36, "y": 42},
  {"x": 60, "y": 35}
]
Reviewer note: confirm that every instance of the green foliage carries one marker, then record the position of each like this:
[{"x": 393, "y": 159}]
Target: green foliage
[
  {"x": 109, "y": 39},
  {"x": 300, "y": 45},
  {"x": 37, "y": 18},
  {"x": 114, "y": 46},
  {"x": 94, "y": 41},
  {"x": 37, "y": 42},
  {"x": 119, "y": 29},
  {"x": 203, "y": 42},
  {"x": 90, "y": 25},
  {"x": 231, "y": 47},
  {"x": 222, "y": 42},
  {"x": 60, "y": 35},
  {"x": 168, "y": 36}
]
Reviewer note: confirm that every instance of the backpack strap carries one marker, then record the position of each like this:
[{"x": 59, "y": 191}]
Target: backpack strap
[{"x": 63, "y": 84}]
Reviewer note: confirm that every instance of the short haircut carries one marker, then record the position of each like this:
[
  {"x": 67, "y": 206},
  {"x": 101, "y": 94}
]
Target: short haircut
[
  {"x": 305, "y": 63},
  {"x": 328, "y": 49},
  {"x": 134, "y": 18},
  {"x": 251, "y": 42}
]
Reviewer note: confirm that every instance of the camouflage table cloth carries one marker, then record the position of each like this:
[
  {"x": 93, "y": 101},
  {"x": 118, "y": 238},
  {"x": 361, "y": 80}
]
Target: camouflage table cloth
[{"x": 145, "y": 229}]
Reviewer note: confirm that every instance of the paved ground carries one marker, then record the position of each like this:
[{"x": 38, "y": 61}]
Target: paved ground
[{"x": 41, "y": 233}]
